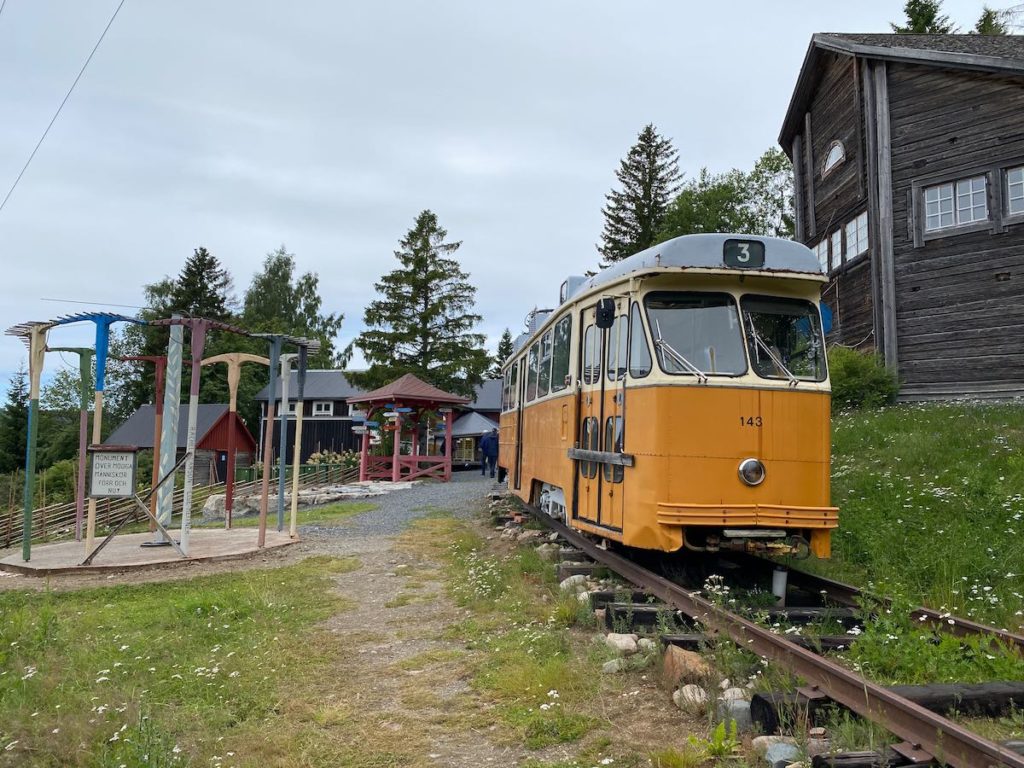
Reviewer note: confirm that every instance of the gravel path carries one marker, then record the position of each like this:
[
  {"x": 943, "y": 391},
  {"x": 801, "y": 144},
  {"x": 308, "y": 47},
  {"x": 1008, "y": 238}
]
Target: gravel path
[{"x": 397, "y": 509}]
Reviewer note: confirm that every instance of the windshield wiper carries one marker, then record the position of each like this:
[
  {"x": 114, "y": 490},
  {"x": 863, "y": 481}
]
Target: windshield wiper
[
  {"x": 667, "y": 350},
  {"x": 793, "y": 380}
]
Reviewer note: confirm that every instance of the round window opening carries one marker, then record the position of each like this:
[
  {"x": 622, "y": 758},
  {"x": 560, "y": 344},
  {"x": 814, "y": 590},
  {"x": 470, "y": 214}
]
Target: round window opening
[{"x": 833, "y": 158}]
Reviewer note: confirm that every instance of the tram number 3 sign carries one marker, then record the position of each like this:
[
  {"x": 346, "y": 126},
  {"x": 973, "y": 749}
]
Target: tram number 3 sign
[
  {"x": 743, "y": 254},
  {"x": 113, "y": 474}
]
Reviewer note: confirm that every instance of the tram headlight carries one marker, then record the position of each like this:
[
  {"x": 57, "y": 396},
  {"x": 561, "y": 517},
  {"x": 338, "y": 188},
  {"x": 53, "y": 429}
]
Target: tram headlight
[{"x": 751, "y": 471}]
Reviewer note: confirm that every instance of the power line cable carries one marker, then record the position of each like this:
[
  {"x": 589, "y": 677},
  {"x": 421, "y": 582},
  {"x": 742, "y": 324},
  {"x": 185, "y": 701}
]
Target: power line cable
[
  {"x": 2, "y": 4},
  {"x": 65, "y": 101}
]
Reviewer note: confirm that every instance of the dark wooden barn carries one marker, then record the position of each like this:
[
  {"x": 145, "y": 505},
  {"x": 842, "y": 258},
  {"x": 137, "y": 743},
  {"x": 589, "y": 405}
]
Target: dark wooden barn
[
  {"x": 212, "y": 427},
  {"x": 908, "y": 153}
]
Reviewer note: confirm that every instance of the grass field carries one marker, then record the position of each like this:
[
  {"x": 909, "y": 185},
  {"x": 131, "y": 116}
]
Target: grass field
[
  {"x": 332, "y": 513},
  {"x": 931, "y": 502},
  {"x": 160, "y": 674}
]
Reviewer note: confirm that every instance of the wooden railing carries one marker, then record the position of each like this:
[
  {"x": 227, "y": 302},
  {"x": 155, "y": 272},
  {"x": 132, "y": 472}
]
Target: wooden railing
[{"x": 57, "y": 521}]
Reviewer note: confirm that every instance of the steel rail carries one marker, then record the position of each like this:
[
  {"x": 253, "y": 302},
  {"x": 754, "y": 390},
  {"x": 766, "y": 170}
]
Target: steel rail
[
  {"x": 847, "y": 594},
  {"x": 927, "y": 734}
]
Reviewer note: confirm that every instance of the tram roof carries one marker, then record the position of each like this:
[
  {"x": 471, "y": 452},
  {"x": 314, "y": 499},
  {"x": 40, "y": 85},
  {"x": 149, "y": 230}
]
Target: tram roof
[{"x": 705, "y": 252}]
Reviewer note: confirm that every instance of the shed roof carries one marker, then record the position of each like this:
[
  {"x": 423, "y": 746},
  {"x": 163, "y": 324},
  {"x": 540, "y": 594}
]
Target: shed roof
[
  {"x": 472, "y": 424},
  {"x": 406, "y": 389},
  {"x": 137, "y": 429},
  {"x": 320, "y": 385},
  {"x": 990, "y": 53}
]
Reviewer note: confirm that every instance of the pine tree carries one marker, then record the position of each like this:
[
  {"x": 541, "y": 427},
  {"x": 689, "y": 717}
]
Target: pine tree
[
  {"x": 423, "y": 321},
  {"x": 992, "y": 22},
  {"x": 503, "y": 353},
  {"x": 924, "y": 17},
  {"x": 14, "y": 423},
  {"x": 649, "y": 177}
]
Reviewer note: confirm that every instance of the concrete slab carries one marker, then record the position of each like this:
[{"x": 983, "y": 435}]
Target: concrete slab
[{"x": 125, "y": 554}]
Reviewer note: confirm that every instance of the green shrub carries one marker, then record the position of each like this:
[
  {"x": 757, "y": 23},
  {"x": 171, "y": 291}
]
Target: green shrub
[{"x": 859, "y": 379}]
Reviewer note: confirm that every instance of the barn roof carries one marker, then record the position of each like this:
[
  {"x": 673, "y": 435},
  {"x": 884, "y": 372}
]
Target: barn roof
[
  {"x": 320, "y": 385},
  {"x": 487, "y": 396},
  {"x": 989, "y": 53},
  {"x": 409, "y": 388},
  {"x": 137, "y": 429}
]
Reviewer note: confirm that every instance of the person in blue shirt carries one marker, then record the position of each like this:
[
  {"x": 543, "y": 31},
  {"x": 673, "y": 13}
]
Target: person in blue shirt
[{"x": 489, "y": 452}]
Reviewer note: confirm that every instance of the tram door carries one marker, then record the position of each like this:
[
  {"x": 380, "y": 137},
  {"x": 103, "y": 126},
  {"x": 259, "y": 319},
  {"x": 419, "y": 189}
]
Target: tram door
[{"x": 598, "y": 496}]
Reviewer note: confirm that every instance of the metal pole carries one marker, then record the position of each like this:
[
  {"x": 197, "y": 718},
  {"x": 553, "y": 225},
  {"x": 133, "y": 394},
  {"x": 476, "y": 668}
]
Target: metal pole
[
  {"x": 293, "y": 529},
  {"x": 197, "y": 340},
  {"x": 282, "y": 439},
  {"x": 275, "y": 353}
]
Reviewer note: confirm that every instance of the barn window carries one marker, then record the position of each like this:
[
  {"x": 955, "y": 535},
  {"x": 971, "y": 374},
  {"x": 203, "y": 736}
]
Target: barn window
[
  {"x": 833, "y": 158},
  {"x": 1015, "y": 190},
  {"x": 821, "y": 251},
  {"x": 959, "y": 202},
  {"x": 857, "y": 236},
  {"x": 836, "y": 245},
  {"x": 323, "y": 408}
]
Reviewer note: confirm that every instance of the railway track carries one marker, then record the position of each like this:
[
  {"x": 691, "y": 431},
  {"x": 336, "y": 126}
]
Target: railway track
[
  {"x": 927, "y": 736},
  {"x": 850, "y": 596}
]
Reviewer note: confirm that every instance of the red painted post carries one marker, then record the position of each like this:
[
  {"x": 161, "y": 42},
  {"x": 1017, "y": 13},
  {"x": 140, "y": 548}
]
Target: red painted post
[
  {"x": 449, "y": 419},
  {"x": 396, "y": 467}
]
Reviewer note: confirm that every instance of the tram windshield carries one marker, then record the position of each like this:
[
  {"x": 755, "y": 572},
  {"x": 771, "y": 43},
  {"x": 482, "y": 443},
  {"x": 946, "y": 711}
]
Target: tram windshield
[
  {"x": 784, "y": 338},
  {"x": 696, "y": 334}
]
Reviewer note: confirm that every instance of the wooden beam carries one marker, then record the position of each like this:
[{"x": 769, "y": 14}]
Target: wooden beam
[
  {"x": 800, "y": 196},
  {"x": 886, "y": 267},
  {"x": 874, "y": 235},
  {"x": 812, "y": 226}
]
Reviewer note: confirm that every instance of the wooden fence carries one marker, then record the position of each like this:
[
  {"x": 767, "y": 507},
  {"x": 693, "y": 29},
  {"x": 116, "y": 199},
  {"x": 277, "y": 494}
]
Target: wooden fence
[{"x": 58, "y": 520}]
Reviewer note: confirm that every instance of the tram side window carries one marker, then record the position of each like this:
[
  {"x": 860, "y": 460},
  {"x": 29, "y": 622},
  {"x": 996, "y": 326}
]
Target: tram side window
[
  {"x": 508, "y": 391},
  {"x": 639, "y": 352},
  {"x": 617, "y": 339},
  {"x": 531, "y": 380},
  {"x": 560, "y": 355},
  {"x": 513, "y": 387},
  {"x": 613, "y": 444},
  {"x": 591, "y": 355},
  {"x": 589, "y": 436},
  {"x": 544, "y": 377}
]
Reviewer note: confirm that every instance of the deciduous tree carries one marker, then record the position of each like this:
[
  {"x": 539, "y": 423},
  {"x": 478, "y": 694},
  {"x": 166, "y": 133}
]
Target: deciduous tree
[
  {"x": 423, "y": 323},
  {"x": 633, "y": 214}
]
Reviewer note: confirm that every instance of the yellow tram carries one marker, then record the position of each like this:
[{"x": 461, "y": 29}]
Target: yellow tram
[{"x": 679, "y": 400}]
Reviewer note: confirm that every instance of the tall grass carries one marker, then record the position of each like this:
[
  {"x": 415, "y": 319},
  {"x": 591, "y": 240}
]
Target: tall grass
[{"x": 931, "y": 500}]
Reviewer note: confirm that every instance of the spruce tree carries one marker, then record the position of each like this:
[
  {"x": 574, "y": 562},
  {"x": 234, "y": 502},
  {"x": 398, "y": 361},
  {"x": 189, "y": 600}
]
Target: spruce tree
[
  {"x": 649, "y": 177},
  {"x": 503, "y": 353},
  {"x": 423, "y": 321},
  {"x": 924, "y": 17},
  {"x": 992, "y": 22},
  {"x": 14, "y": 423}
]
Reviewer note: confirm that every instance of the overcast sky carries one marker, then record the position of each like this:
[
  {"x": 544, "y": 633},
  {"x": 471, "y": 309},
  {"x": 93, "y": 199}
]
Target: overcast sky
[{"x": 328, "y": 126}]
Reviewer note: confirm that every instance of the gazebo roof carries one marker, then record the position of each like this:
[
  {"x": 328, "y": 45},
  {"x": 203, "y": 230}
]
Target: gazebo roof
[{"x": 408, "y": 390}]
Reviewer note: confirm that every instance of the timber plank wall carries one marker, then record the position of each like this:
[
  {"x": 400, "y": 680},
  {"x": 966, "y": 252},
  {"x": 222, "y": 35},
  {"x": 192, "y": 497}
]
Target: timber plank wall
[{"x": 959, "y": 298}]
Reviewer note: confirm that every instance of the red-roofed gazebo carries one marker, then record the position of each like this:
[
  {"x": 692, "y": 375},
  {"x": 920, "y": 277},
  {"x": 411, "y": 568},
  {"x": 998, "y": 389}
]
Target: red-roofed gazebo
[{"x": 405, "y": 401}]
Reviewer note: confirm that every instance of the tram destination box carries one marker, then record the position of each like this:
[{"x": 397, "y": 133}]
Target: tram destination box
[{"x": 112, "y": 474}]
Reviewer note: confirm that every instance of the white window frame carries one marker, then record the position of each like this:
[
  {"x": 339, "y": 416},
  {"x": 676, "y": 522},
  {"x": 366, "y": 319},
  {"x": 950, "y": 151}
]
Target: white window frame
[
  {"x": 835, "y": 156},
  {"x": 835, "y": 242},
  {"x": 319, "y": 412},
  {"x": 1015, "y": 191},
  {"x": 857, "y": 236},
  {"x": 821, "y": 251},
  {"x": 958, "y": 203},
  {"x": 291, "y": 407}
]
